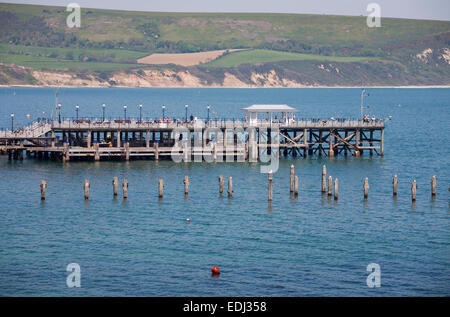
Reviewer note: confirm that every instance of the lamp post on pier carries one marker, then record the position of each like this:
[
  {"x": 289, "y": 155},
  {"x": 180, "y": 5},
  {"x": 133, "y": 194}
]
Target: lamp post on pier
[
  {"x": 363, "y": 94},
  {"x": 209, "y": 107},
  {"x": 77, "y": 107},
  {"x": 125, "y": 112},
  {"x": 186, "y": 108},
  {"x": 12, "y": 122},
  {"x": 59, "y": 113},
  {"x": 103, "y": 110},
  {"x": 164, "y": 112},
  {"x": 140, "y": 113}
]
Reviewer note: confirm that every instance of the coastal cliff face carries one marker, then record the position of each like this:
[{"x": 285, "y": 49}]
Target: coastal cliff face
[{"x": 266, "y": 76}]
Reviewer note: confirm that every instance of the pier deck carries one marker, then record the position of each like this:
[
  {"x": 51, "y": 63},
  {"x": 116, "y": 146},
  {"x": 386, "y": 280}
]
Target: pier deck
[{"x": 212, "y": 140}]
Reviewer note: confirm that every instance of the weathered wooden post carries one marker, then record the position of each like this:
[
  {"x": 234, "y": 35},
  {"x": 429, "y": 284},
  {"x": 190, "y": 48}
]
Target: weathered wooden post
[
  {"x": 324, "y": 179},
  {"x": 127, "y": 151},
  {"x": 43, "y": 189},
  {"x": 186, "y": 185},
  {"x": 86, "y": 187},
  {"x": 433, "y": 186},
  {"x": 330, "y": 185},
  {"x": 270, "y": 185},
  {"x": 336, "y": 189},
  {"x": 230, "y": 186},
  {"x": 125, "y": 189},
  {"x": 220, "y": 184},
  {"x": 292, "y": 179},
  {"x": 160, "y": 188},
  {"x": 97, "y": 152},
  {"x": 366, "y": 188},
  {"x": 156, "y": 146},
  {"x": 115, "y": 183},
  {"x": 413, "y": 190},
  {"x": 296, "y": 186},
  {"x": 395, "y": 185}
]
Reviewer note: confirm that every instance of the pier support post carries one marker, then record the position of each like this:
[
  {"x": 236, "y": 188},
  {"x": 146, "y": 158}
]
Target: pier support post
[
  {"x": 296, "y": 186},
  {"x": 214, "y": 152},
  {"x": 115, "y": 183},
  {"x": 127, "y": 151},
  {"x": 413, "y": 190},
  {"x": 395, "y": 185},
  {"x": 156, "y": 146},
  {"x": 230, "y": 187},
  {"x": 220, "y": 184},
  {"x": 125, "y": 188},
  {"x": 97, "y": 152},
  {"x": 331, "y": 151},
  {"x": 119, "y": 133},
  {"x": 336, "y": 189},
  {"x": 330, "y": 185},
  {"x": 382, "y": 143},
  {"x": 270, "y": 186},
  {"x": 186, "y": 185},
  {"x": 147, "y": 139},
  {"x": 43, "y": 189},
  {"x": 160, "y": 188},
  {"x": 324, "y": 179},
  {"x": 433, "y": 186},
  {"x": 89, "y": 137},
  {"x": 86, "y": 187},
  {"x": 366, "y": 188}
]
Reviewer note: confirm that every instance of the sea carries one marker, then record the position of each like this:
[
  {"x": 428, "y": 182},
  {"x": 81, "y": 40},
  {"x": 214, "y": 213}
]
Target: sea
[{"x": 305, "y": 246}]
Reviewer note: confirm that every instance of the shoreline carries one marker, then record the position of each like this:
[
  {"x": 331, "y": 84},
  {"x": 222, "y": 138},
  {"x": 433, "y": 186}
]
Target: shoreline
[{"x": 225, "y": 87}]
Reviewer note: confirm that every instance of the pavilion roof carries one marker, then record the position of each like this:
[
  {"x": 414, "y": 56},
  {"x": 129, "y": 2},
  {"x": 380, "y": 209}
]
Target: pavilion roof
[{"x": 269, "y": 108}]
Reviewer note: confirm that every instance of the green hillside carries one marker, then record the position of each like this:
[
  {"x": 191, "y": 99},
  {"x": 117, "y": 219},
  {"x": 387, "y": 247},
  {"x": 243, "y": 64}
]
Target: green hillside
[{"x": 109, "y": 40}]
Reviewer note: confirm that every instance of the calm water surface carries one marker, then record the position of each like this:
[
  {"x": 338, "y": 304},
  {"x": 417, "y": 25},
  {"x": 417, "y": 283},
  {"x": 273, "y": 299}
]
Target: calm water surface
[{"x": 310, "y": 246}]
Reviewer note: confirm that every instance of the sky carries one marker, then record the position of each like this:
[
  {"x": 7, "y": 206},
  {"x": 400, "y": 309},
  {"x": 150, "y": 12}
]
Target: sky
[{"x": 410, "y": 9}]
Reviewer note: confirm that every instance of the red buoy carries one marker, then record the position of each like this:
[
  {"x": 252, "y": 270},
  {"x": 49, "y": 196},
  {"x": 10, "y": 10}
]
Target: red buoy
[
  {"x": 215, "y": 270},
  {"x": 188, "y": 220}
]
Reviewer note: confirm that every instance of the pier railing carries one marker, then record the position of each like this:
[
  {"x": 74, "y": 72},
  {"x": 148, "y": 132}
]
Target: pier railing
[{"x": 43, "y": 126}]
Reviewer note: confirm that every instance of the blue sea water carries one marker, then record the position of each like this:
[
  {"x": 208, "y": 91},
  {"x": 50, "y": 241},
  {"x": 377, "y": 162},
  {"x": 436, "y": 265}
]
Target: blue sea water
[{"x": 311, "y": 246}]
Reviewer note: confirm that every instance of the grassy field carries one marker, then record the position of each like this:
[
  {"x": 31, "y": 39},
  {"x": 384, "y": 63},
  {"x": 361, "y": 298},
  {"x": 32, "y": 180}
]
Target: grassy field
[
  {"x": 62, "y": 52},
  {"x": 46, "y": 63},
  {"x": 260, "y": 56}
]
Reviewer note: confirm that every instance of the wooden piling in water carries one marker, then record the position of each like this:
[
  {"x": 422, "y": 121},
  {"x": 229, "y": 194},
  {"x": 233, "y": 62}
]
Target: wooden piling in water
[
  {"x": 296, "y": 186},
  {"x": 330, "y": 185},
  {"x": 413, "y": 190},
  {"x": 156, "y": 151},
  {"x": 186, "y": 185},
  {"x": 160, "y": 188},
  {"x": 43, "y": 189},
  {"x": 270, "y": 186},
  {"x": 366, "y": 188},
  {"x": 433, "y": 186},
  {"x": 324, "y": 179},
  {"x": 115, "y": 183},
  {"x": 220, "y": 184},
  {"x": 230, "y": 186},
  {"x": 86, "y": 187},
  {"x": 395, "y": 185},
  {"x": 125, "y": 188},
  {"x": 336, "y": 189},
  {"x": 292, "y": 179}
]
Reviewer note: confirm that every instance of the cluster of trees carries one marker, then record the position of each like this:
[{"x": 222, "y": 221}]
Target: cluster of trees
[{"x": 296, "y": 46}]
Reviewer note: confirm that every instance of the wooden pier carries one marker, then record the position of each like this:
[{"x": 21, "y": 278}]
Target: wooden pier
[{"x": 223, "y": 140}]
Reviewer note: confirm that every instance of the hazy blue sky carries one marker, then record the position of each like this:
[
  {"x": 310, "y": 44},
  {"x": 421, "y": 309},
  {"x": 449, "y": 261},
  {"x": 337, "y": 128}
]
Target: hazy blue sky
[{"x": 414, "y": 9}]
